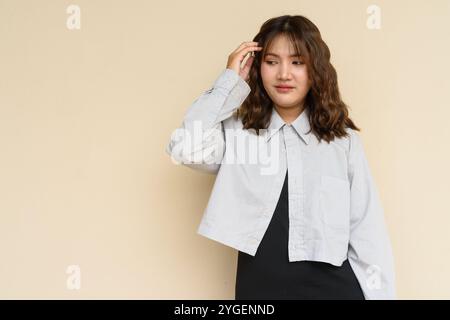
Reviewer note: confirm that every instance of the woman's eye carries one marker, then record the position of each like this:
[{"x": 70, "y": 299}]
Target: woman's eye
[{"x": 297, "y": 62}]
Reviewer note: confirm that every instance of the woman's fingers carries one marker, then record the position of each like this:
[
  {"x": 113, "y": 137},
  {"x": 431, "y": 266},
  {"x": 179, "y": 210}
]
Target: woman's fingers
[
  {"x": 246, "y": 44},
  {"x": 237, "y": 56},
  {"x": 246, "y": 69},
  {"x": 247, "y": 47}
]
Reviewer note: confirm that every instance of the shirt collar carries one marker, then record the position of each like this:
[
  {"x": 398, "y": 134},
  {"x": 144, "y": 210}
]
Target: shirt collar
[{"x": 301, "y": 125}]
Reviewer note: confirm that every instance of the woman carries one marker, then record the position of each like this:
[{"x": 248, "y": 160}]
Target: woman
[{"x": 311, "y": 225}]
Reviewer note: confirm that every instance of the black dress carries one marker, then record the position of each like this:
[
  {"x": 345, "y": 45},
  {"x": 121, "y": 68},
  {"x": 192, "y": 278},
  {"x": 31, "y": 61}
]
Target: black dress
[{"x": 270, "y": 275}]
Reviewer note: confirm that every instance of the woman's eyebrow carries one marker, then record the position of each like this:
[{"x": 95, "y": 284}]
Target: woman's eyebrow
[{"x": 275, "y": 55}]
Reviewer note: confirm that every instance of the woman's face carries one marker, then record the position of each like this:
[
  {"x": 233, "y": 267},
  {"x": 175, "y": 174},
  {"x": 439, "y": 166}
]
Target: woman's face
[{"x": 278, "y": 67}]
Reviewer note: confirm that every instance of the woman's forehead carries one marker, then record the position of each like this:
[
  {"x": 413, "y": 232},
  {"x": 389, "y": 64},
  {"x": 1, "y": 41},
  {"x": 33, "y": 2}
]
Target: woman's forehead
[{"x": 281, "y": 46}]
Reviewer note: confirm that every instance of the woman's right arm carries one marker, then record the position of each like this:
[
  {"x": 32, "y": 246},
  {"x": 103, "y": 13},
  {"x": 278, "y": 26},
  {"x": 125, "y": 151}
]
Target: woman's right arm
[{"x": 199, "y": 143}]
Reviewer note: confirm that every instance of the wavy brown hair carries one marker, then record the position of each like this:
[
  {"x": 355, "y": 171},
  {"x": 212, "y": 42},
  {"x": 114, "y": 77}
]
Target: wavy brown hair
[{"x": 328, "y": 114}]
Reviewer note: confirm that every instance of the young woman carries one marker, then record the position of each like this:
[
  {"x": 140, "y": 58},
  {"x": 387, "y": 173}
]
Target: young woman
[{"x": 309, "y": 225}]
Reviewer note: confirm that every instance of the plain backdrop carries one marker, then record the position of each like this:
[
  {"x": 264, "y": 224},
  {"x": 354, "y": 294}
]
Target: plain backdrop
[{"x": 85, "y": 115}]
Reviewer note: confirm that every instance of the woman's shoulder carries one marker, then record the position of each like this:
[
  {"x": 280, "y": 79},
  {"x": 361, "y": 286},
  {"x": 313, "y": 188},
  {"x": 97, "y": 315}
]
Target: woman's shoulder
[
  {"x": 345, "y": 142},
  {"x": 353, "y": 142}
]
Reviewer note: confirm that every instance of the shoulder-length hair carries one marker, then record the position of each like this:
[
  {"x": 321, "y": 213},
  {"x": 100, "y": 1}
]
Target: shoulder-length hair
[{"x": 328, "y": 114}]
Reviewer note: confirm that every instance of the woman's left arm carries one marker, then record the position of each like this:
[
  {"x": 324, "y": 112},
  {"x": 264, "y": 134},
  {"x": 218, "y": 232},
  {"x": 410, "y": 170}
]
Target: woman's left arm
[{"x": 369, "y": 252}]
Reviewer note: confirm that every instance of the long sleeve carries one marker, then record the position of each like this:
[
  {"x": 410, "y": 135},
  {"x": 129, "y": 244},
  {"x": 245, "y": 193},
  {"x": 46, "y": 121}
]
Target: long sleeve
[
  {"x": 199, "y": 143},
  {"x": 370, "y": 252}
]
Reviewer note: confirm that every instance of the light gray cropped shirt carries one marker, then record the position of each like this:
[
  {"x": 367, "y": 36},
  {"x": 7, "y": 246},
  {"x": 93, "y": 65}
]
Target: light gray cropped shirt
[{"x": 334, "y": 207}]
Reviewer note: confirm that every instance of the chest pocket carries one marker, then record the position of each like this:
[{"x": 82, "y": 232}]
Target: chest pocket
[{"x": 335, "y": 202}]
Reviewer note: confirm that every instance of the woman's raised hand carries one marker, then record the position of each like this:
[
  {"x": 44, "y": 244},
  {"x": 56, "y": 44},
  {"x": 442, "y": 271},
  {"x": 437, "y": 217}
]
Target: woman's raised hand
[{"x": 237, "y": 56}]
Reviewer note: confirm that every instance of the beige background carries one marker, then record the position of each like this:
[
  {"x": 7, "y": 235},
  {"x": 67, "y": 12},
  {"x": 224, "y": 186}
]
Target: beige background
[{"x": 85, "y": 116}]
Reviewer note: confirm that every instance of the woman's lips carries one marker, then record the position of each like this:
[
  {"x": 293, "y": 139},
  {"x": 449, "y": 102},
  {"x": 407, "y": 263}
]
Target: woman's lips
[{"x": 284, "y": 89}]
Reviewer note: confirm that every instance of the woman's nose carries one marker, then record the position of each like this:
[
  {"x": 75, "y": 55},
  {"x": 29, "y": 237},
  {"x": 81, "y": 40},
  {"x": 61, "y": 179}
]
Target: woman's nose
[{"x": 284, "y": 71}]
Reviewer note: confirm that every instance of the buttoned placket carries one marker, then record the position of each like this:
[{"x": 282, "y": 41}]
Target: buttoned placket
[{"x": 296, "y": 243}]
